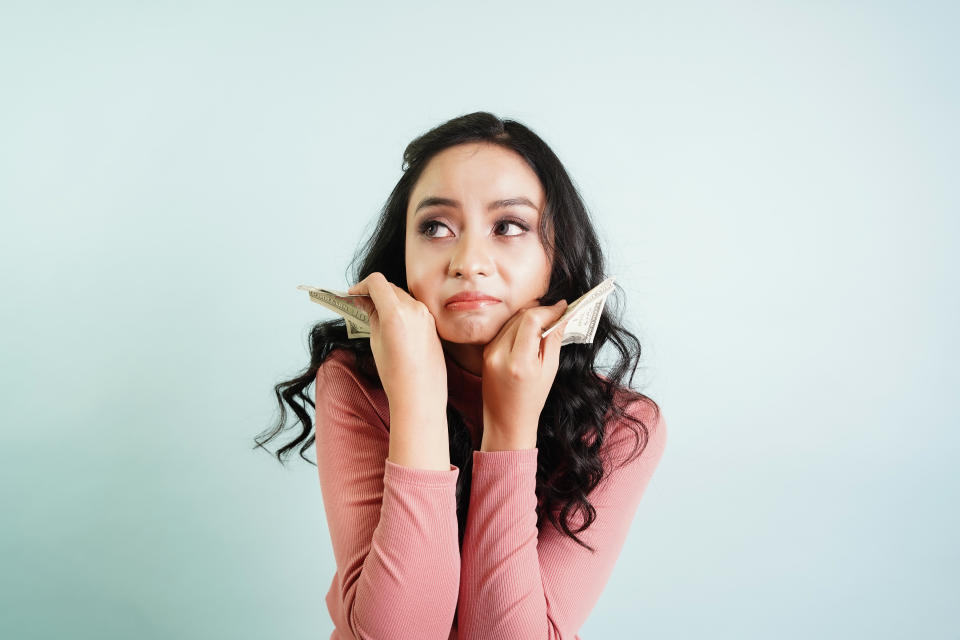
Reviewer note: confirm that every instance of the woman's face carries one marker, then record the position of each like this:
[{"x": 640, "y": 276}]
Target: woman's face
[{"x": 469, "y": 229}]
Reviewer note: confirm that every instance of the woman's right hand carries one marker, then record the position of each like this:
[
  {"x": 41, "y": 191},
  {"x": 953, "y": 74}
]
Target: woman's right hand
[{"x": 405, "y": 346}]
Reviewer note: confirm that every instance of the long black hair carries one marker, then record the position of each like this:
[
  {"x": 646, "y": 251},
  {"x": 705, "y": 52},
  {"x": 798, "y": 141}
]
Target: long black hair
[{"x": 581, "y": 402}]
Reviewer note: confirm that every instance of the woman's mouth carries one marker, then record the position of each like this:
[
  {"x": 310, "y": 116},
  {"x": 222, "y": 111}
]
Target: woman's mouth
[
  {"x": 468, "y": 300},
  {"x": 466, "y": 305}
]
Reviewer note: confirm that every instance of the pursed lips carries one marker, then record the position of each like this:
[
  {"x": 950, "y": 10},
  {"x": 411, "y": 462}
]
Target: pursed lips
[{"x": 471, "y": 300}]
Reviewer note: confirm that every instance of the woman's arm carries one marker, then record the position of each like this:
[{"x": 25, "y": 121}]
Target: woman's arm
[
  {"x": 410, "y": 363},
  {"x": 393, "y": 528},
  {"x": 516, "y": 583}
]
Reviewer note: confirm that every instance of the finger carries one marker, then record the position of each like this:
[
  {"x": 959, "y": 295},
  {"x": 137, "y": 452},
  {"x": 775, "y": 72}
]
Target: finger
[
  {"x": 557, "y": 331},
  {"x": 505, "y": 337},
  {"x": 362, "y": 302},
  {"x": 366, "y": 304},
  {"x": 404, "y": 296},
  {"x": 527, "y": 342},
  {"x": 557, "y": 325},
  {"x": 380, "y": 291},
  {"x": 551, "y": 345}
]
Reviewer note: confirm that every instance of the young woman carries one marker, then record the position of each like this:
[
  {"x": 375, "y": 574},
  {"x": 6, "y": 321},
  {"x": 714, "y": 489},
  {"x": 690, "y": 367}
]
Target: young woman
[{"x": 459, "y": 454}]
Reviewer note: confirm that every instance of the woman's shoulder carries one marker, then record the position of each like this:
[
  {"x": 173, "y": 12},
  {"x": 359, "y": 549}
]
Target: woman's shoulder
[
  {"x": 339, "y": 365},
  {"x": 633, "y": 403},
  {"x": 638, "y": 405},
  {"x": 342, "y": 376},
  {"x": 624, "y": 432},
  {"x": 340, "y": 357},
  {"x": 345, "y": 362}
]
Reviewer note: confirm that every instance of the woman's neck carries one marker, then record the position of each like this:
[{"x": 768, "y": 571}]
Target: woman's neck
[{"x": 468, "y": 356}]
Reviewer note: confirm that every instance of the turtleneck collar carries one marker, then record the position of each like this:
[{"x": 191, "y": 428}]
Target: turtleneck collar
[{"x": 465, "y": 394}]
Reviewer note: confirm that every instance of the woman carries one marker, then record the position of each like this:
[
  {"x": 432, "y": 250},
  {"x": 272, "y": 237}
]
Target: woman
[{"x": 460, "y": 453}]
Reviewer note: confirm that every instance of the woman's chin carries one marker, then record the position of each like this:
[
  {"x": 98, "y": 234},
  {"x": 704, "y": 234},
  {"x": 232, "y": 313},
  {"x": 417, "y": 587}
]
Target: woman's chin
[{"x": 473, "y": 330}]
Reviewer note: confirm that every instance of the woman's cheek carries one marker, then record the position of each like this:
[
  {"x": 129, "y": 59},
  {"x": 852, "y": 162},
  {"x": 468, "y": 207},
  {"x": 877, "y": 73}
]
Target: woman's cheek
[{"x": 418, "y": 292}]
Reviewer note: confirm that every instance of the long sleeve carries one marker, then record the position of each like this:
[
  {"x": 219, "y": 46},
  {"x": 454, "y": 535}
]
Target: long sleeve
[
  {"x": 514, "y": 584},
  {"x": 393, "y": 528}
]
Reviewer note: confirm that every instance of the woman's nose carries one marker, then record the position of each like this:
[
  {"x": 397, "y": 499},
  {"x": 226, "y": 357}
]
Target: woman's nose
[{"x": 470, "y": 258}]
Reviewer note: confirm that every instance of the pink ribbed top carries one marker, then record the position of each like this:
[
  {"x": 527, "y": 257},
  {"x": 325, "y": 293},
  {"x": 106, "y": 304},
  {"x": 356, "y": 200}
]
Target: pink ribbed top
[{"x": 400, "y": 572}]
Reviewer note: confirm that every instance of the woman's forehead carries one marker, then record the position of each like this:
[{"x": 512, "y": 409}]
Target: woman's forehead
[{"x": 486, "y": 173}]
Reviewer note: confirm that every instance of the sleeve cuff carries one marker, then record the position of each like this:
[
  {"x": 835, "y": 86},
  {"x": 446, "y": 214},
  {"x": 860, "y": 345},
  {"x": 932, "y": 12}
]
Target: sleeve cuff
[
  {"x": 421, "y": 477},
  {"x": 505, "y": 459}
]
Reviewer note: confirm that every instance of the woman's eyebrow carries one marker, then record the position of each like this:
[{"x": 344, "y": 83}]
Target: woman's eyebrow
[{"x": 430, "y": 201}]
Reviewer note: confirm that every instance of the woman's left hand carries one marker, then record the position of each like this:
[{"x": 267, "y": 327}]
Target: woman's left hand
[{"x": 518, "y": 371}]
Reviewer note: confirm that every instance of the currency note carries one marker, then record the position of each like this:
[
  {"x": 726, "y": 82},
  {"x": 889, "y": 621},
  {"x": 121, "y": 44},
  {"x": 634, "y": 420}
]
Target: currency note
[
  {"x": 584, "y": 314},
  {"x": 356, "y": 319}
]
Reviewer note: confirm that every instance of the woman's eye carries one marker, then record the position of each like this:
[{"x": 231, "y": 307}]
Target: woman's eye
[
  {"x": 508, "y": 223},
  {"x": 427, "y": 227},
  {"x": 430, "y": 228}
]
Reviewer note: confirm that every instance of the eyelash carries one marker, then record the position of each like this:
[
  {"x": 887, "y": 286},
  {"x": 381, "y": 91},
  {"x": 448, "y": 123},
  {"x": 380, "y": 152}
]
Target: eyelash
[{"x": 427, "y": 224}]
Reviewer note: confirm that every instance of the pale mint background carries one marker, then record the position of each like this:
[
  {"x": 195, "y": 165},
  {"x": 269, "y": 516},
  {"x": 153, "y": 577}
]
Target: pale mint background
[{"x": 775, "y": 184}]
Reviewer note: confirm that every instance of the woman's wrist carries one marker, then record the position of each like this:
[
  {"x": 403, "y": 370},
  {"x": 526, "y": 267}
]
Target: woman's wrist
[
  {"x": 418, "y": 439},
  {"x": 499, "y": 439},
  {"x": 417, "y": 406}
]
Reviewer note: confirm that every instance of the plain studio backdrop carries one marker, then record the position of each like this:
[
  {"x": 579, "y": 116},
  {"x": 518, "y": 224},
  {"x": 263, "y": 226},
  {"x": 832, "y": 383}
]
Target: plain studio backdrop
[{"x": 774, "y": 184}]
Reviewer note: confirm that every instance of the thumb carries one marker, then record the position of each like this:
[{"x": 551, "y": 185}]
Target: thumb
[
  {"x": 551, "y": 345},
  {"x": 552, "y": 313},
  {"x": 559, "y": 331},
  {"x": 559, "y": 308}
]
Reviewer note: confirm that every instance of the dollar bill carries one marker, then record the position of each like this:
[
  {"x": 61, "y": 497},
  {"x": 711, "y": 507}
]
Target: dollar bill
[
  {"x": 584, "y": 314},
  {"x": 356, "y": 319}
]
